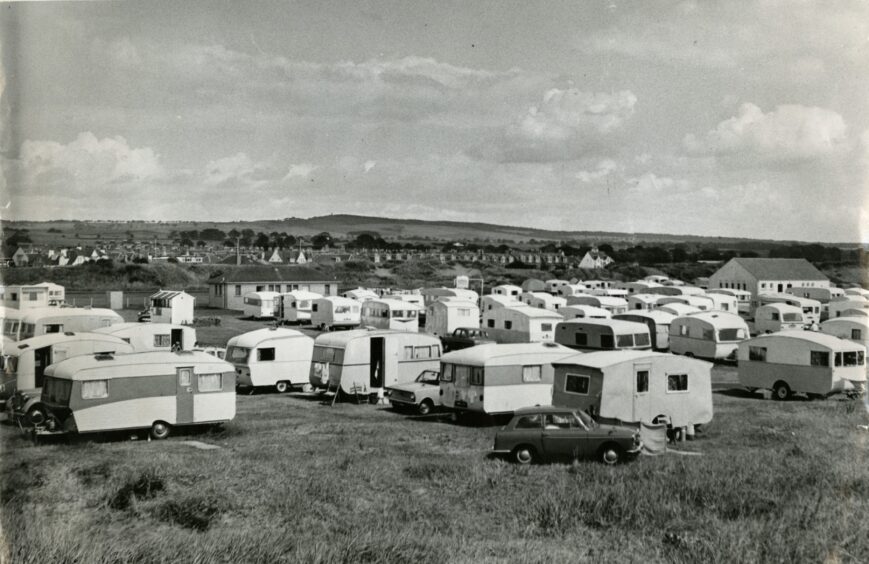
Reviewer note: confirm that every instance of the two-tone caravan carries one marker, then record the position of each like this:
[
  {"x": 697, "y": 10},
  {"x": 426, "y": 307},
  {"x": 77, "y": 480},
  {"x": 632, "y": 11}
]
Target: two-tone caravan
[
  {"x": 775, "y": 317},
  {"x": 24, "y": 362},
  {"x": 811, "y": 308},
  {"x": 156, "y": 390},
  {"x": 367, "y": 361},
  {"x": 261, "y": 305},
  {"x": 612, "y": 304},
  {"x": 806, "y": 362},
  {"x": 743, "y": 298},
  {"x": 272, "y": 356},
  {"x": 636, "y": 387},
  {"x": 443, "y": 317},
  {"x": 45, "y": 320},
  {"x": 658, "y": 323},
  {"x": 542, "y": 300},
  {"x": 296, "y": 306},
  {"x": 584, "y": 311},
  {"x": 521, "y": 324},
  {"x": 854, "y": 329},
  {"x": 509, "y": 290},
  {"x": 499, "y": 378},
  {"x": 153, "y": 336},
  {"x": 335, "y": 312},
  {"x": 386, "y": 313},
  {"x": 602, "y": 334},
  {"x": 708, "y": 334}
]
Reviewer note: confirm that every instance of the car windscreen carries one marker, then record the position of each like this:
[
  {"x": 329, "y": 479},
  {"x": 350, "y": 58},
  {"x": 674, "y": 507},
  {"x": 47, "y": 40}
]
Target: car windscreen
[
  {"x": 56, "y": 391},
  {"x": 237, "y": 354}
]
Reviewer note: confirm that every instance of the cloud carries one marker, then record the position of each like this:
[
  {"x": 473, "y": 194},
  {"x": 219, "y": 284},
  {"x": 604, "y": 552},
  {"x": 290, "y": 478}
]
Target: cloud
[
  {"x": 650, "y": 183},
  {"x": 604, "y": 169},
  {"x": 565, "y": 125},
  {"x": 241, "y": 171},
  {"x": 369, "y": 165},
  {"x": 85, "y": 162},
  {"x": 302, "y": 170},
  {"x": 790, "y": 132}
]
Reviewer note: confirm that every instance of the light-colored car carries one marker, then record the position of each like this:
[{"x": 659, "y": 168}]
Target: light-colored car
[
  {"x": 546, "y": 432},
  {"x": 421, "y": 395}
]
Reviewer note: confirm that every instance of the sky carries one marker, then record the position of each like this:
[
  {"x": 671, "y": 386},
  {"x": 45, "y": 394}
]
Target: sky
[{"x": 746, "y": 118}]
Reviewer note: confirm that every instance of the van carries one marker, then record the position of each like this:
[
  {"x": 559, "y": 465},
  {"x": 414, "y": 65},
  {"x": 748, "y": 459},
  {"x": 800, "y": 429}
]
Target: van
[
  {"x": 148, "y": 390},
  {"x": 365, "y": 361},
  {"x": 272, "y": 356},
  {"x": 499, "y": 378},
  {"x": 807, "y": 362},
  {"x": 335, "y": 312},
  {"x": 602, "y": 334}
]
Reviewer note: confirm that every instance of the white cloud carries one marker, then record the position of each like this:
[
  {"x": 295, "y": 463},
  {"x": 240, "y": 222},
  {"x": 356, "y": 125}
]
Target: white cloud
[
  {"x": 790, "y": 132},
  {"x": 369, "y": 165},
  {"x": 650, "y": 183},
  {"x": 302, "y": 170},
  {"x": 86, "y": 162},
  {"x": 240, "y": 170},
  {"x": 604, "y": 169}
]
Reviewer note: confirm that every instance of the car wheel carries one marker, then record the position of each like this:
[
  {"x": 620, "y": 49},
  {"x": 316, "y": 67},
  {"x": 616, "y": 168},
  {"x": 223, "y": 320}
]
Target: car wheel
[
  {"x": 282, "y": 386},
  {"x": 611, "y": 454},
  {"x": 35, "y": 416},
  {"x": 160, "y": 430},
  {"x": 425, "y": 407},
  {"x": 781, "y": 391},
  {"x": 524, "y": 454}
]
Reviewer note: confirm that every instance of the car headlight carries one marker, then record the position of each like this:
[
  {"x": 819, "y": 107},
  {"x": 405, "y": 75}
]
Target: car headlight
[{"x": 412, "y": 397}]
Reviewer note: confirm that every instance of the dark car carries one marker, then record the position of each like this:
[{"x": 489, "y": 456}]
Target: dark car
[
  {"x": 465, "y": 337},
  {"x": 549, "y": 433}
]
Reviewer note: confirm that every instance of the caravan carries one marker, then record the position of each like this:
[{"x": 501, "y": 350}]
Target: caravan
[
  {"x": 658, "y": 323},
  {"x": 45, "y": 320},
  {"x": 743, "y": 298},
  {"x": 612, "y": 304},
  {"x": 508, "y": 290},
  {"x": 542, "y": 300},
  {"x": 713, "y": 335},
  {"x": 584, "y": 311},
  {"x": 520, "y": 324},
  {"x": 801, "y": 361},
  {"x": 497, "y": 379},
  {"x": 156, "y": 390},
  {"x": 811, "y": 308},
  {"x": 775, "y": 317},
  {"x": 602, "y": 334},
  {"x": 153, "y": 336},
  {"x": 387, "y": 313},
  {"x": 443, "y": 317},
  {"x": 296, "y": 306},
  {"x": 636, "y": 387},
  {"x": 850, "y": 328},
  {"x": 261, "y": 305},
  {"x": 366, "y": 361},
  {"x": 271, "y": 357},
  {"x": 335, "y": 312}
]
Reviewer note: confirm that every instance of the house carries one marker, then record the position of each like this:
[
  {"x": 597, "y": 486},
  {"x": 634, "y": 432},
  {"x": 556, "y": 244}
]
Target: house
[
  {"x": 24, "y": 297},
  {"x": 595, "y": 259},
  {"x": 767, "y": 275},
  {"x": 20, "y": 257},
  {"x": 174, "y": 307},
  {"x": 227, "y": 290}
]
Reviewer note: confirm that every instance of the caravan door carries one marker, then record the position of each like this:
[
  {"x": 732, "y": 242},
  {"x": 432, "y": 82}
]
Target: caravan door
[
  {"x": 377, "y": 365},
  {"x": 639, "y": 403},
  {"x": 176, "y": 340},
  {"x": 41, "y": 359},
  {"x": 184, "y": 396}
]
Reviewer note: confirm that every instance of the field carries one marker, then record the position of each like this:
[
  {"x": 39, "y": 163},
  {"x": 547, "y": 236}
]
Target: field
[{"x": 295, "y": 480}]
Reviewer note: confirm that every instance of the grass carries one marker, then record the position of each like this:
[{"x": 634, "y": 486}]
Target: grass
[{"x": 298, "y": 481}]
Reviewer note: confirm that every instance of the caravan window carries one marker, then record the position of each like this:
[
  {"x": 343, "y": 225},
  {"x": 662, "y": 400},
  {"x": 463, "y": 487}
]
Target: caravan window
[
  {"x": 856, "y": 334},
  {"x": 625, "y": 341},
  {"x": 852, "y": 358},
  {"x": 95, "y": 389},
  {"x": 642, "y": 381},
  {"x": 477, "y": 376},
  {"x": 732, "y": 335},
  {"x": 462, "y": 374},
  {"x": 642, "y": 340},
  {"x": 265, "y": 354},
  {"x": 328, "y": 354},
  {"x": 447, "y": 372},
  {"x": 757, "y": 353},
  {"x": 408, "y": 353},
  {"x": 677, "y": 383},
  {"x": 546, "y": 326},
  {"x": 532, "y": 373},
  {"x": 508, "y": 324},
  {"x": 54, "y": 328},
  {"x": 161, "y": 340},
  {"x": 819, "y": 358},
  {"x": 576, "y": 384},
  {"x": 464, "y": 312},
  {"x": 607, "y": 342},
  {"x": 580, "y": 338},
  {"x": 56, "y": 391},
  {"x": 237, "y": 353},
  {"x": 210, "y": 382},
  {"x": 425, "y": 352}
]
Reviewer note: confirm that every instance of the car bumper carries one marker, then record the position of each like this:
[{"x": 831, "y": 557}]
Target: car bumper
[{"x": 402, "y": 403}]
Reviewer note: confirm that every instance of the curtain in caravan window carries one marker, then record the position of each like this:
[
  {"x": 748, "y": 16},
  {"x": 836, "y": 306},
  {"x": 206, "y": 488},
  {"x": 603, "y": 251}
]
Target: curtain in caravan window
[
  {"x": 408, "y": 353},
  {"x": 95, "y": 389},
  {"x": 532, "y": 373},
  {"x": 210, "y": 382}
]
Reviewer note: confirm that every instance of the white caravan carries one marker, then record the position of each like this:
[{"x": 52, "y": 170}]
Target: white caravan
[
  {"x": 772, "y": 318},
  {"x": 602, "y": 334},
  {"x": 45, "y": 320},
  {"x": 521, "y": 324},
  {"x": 260, "y": 305},
  {"x": 271, "y": 356},
  {"x": 443, "y": 317},
  {"x": 583, "y": 312},
  {"x": 386, "y": 313},
  {"x": 658, "y": 323},
  {"x": 334, "y": 312},
  {"x": 708, "y": 334},
  {"x": 296, "y": 306},
  {"x": 153, "y": 336}
]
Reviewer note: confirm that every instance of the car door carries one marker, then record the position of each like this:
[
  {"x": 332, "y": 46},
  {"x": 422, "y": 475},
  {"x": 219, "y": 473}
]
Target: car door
[{"x": 564, "y": 436}]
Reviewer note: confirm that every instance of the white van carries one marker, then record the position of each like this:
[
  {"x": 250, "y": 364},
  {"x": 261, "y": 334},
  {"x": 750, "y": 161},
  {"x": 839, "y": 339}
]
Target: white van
[
  {"x": 499, "y": 378},
  {"x": 276, "y": 357},
  {"x": 156, "y": 390},
  {"x": 801, "y": 361},
  {"x": 335, "y": 312}
]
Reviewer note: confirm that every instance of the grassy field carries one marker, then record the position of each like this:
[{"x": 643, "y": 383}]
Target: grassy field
[{"x": 295, "y": 480}]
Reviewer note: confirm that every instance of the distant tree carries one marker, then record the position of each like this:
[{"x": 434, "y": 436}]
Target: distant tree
[
  {"x": 247, "y": 234},
  {"x": 212, "y": 234},
  {"x": 233, "y": 234},
  {"x": 262, "y": 241},
  {"x": 321, "y": 240},
  {"x": 186, "y": 242},
  {"x": 679, "y": 254},
  {"x": 201, "y": 243}
]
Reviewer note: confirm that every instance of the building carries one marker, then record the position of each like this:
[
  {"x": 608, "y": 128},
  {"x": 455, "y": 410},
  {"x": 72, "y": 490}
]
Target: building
[
  {"x": 174, "y": 307},
  {"x": 595, "y": 259},
  {"x": 227, "y": 290},
  {"x": 767, "y": 275}
]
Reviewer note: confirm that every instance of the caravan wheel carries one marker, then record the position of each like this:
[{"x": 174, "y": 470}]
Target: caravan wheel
[
  {"x": 781, "y": 391},
  {"x": 282, "y": 386},
  {"x": 160, "y": 430}
]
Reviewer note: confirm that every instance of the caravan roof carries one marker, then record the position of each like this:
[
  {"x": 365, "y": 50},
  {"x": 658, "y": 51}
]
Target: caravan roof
[
  {"x": 678, "y": 309},
  {"x": 656, "y": 315},
  {"x": 814, "y": 337},
  {"x": 55, "y": 338},
  {"x": 393, "y": 303},
  {"x": 717, "y": 318},
  {"x": 601, "y": 359},
  {"x": 254, "y": 338},
  {"x": 340, "y": 339},
  {"x": 99, "y": 366},
  {"x": 615, "y": 324},
  {"x": 536, "y": 312},
  {"x": 502, "y": 354}
]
